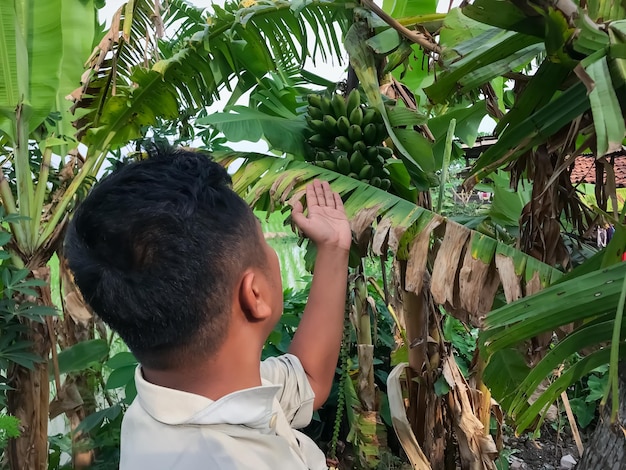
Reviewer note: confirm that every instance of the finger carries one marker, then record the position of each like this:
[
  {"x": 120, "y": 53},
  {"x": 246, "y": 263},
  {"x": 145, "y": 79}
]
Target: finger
[
  {"x": 297, "y": 208},
  {"x": 328, "y": 194},
  {"x": 297, "y": 215},
  {"x": 311, "y": 196},
  {"x": 338, "y": 201},
  {"x": 319, "y": 192}
]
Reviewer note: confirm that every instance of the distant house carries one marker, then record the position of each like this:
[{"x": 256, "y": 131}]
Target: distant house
[
  {"x": 481, "y": 145},
  {"x": 584, "y": 170}
]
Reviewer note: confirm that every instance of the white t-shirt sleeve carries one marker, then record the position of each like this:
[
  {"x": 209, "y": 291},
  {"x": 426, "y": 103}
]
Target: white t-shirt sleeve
[{"x": 296, "y": 397}]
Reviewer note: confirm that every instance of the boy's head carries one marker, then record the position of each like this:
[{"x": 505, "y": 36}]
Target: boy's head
[{"x": 156, "y": 249}]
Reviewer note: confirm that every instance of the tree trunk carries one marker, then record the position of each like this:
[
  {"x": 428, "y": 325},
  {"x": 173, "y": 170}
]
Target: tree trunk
[
  {"x": 29, "y": 400},
  {"x": 607, "y": 448}
]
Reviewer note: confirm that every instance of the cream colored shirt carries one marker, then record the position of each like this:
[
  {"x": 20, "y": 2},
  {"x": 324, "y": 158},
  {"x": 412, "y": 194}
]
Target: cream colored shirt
[{"x": 167, "y": 429}]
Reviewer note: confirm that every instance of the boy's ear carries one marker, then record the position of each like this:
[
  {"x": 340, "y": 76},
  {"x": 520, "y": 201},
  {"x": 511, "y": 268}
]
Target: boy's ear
[{"x": 253, "y": 296}]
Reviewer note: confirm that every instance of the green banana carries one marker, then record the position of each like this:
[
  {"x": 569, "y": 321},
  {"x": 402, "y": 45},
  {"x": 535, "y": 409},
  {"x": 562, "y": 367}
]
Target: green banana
[
  {"x": 356, "y": 161},
  {"x": 385, "y": 184},
  {"x": 353, "y": 175},
  {"x": 370, "y": 115},
  {"x": 329, "y": 165},
  {"x": 343, "y": 143},
  {"x": 321, "y": 156},
  {"x": 318, "y": 140},
  {"x": 376, "y": 181},
  {"x": 343, "y": 125},
  {"x": 386, "y": 152},
  {"x": 339, "y": 105},
  {"x": 369, "y": 134},
  {"x": 379, "y": 172},
  {"x": 343, "y": 165},
  {"x": 366, "y": 172},
  {"x": 354, "y": 133},
  {"x": 330, "y": 124},
  {"x": 314, "y": 100},
  {"x": 353, "y": 101},
  {"x": 317, "y": 126},
  {"x": 381, "y": 132},
  {"x": 315, "y": 113},
  {"x": 356, "y": 116},
  {"x": 326, "y": 106},
  {"x": 371, "y": 153},
  {"x": 360, "y": 146}
]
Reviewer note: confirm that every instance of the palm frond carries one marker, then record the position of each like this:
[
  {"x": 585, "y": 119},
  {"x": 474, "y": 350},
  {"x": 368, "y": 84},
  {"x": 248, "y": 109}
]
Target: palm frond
[
  {"x": 237, "y": 49},
  {"x": 127, "y": 44},
  {"x": 181, "y": 21},
  {"x": 268, "y": 182}
]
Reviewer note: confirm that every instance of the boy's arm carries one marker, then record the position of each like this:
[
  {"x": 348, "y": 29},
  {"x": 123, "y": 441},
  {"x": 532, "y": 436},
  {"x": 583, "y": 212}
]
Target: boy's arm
[{"x": 318, "y": 338}]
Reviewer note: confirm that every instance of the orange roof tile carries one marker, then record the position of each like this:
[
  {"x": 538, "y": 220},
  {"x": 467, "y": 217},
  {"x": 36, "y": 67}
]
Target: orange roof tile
[{"x": 584, "y": 170}]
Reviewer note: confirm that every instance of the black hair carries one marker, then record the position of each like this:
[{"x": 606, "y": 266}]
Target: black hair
[{"x": 155, "y": 249}]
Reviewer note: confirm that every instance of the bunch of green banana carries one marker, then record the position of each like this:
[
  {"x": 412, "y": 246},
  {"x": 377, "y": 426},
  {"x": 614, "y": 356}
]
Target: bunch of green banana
[{"x": 346, "y": 137}]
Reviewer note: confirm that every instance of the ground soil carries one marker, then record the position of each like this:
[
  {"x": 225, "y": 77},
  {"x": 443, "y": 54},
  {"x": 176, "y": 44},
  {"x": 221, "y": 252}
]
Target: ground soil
[{"x": 543, "y": 452}]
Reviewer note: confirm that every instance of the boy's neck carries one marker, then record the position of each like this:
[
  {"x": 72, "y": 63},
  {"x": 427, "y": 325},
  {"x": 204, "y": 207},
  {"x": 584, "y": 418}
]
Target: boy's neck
[{"x": 224, "y": 373}]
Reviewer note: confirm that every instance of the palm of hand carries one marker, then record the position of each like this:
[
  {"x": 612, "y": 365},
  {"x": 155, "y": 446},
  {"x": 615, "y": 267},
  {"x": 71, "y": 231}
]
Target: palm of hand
[
  {"x": 326, "y": 222},
  {"x": 328, "y": 226}
]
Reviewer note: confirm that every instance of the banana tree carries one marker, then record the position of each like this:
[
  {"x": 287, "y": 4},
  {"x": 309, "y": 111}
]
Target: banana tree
[
  {"x": 133, "y": 78},
  {"x": 529, "y": 49},
  {"x": 42, "y": 46},
  {"x": 406, "y": 229},
  {"x": 568, "y": 100},
  {"x": 228, "y": 53},
  {"x": 419, "y": 171},
  {"x": 571, "y": 101}
]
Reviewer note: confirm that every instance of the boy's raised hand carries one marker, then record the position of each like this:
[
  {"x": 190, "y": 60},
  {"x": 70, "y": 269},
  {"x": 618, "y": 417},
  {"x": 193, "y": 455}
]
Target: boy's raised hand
[
  {"x": 326, "y": 223},
  {"x": 327, "y": 226}
]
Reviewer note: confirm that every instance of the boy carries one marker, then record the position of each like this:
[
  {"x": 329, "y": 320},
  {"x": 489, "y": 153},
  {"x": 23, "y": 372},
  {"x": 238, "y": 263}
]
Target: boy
[{"x": 175, "y": 262}]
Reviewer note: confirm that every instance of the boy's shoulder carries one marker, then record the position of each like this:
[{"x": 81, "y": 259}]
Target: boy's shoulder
[
  {"x": 251, "y": 428},
  {"x": 160, "y": 446}
]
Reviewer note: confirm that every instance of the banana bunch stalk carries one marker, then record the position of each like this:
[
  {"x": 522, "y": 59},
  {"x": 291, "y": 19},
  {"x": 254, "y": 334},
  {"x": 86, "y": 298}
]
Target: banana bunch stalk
[{"x": 346, "y": 137}]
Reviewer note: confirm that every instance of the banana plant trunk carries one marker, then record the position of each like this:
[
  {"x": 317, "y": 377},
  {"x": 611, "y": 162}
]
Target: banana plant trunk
[
  {"x": 607, "y": 448},
  {"x": 29, "y": 398},
  {"x": 365, "y": 346},
  {"x": 29, "y": 404},
  {"x": 78, "y": 325},
  {"x": 415, "y": 314},
  {"x": 426, "y": 410}
]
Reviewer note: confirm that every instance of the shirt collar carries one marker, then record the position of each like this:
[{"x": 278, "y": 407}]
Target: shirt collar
[{"x": 251, "y": 407}]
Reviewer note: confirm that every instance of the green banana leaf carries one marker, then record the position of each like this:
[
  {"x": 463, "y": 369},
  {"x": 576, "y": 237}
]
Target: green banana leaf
[
  {"x": 484, "y": 58},
  {"x": 31, "y": 45},
  {"x": 126, "y": 94},
  {"x": 274, "y": 113},
  {"x": 412, "y": 76},
  {"x": 414, "y": 150},
  {"x": 589, "y": 300},
  {"x": 42, "y": 49},
  {"x": 505, "y": 15},
  {"x": 238, "y": 48},
  {"x": 607, "y": 115},
  {"x": 267, "y": 182},
  {"x": 533, "y": 130}
]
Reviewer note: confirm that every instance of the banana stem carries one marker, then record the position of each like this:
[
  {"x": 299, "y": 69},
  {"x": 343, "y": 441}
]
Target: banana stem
[
  {"x": 446, "y": 163},
  {"x": 40, "y": 194},
  {"x": 613, "y": 387}
]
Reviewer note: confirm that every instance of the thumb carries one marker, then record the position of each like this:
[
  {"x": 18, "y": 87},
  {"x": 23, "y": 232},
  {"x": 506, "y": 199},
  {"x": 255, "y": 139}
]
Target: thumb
[{"x": 297, "y": 215}]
